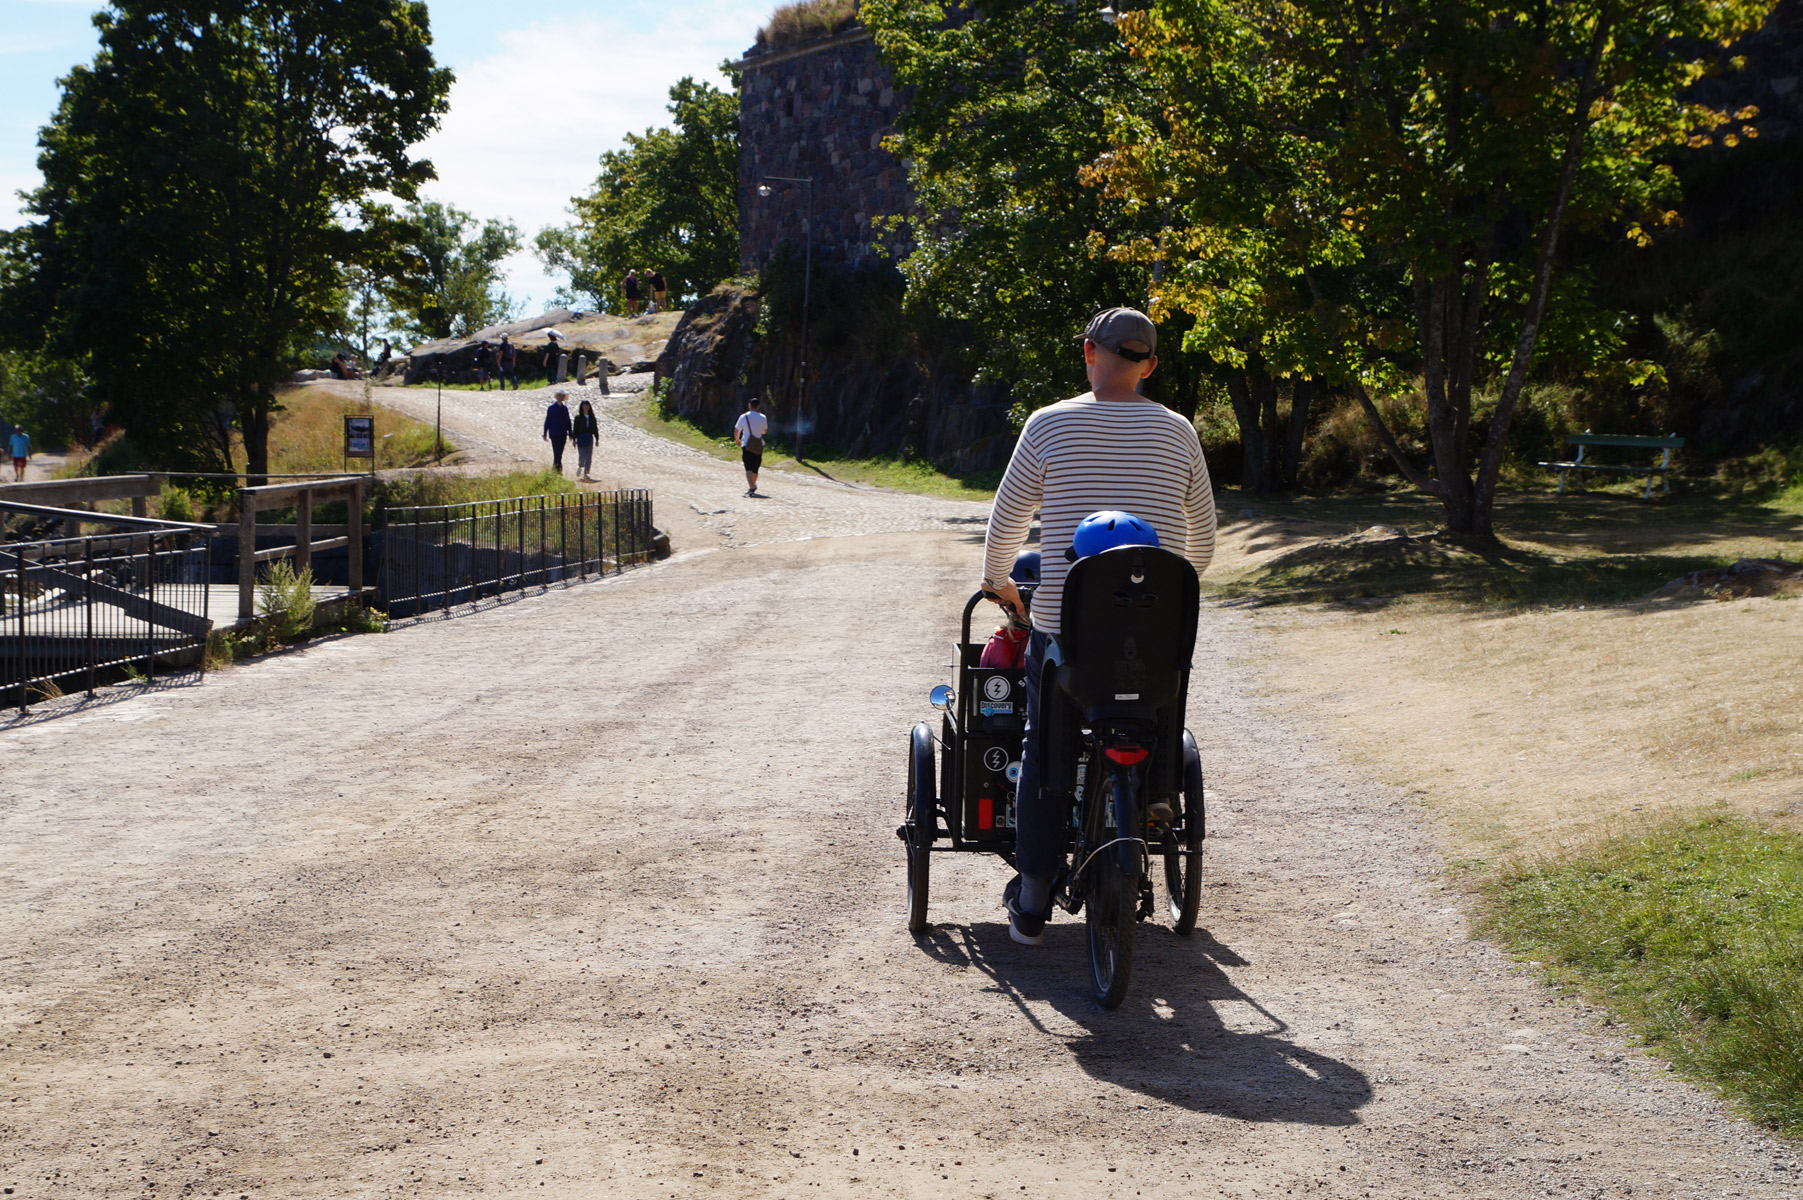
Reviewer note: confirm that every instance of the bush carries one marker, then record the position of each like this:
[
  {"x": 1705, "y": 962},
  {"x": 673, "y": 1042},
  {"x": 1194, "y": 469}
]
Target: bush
[
  {"x": 805, "y": 20},
  {"x": 176, "y": 506},
  {"x": 285, "y": 601}
]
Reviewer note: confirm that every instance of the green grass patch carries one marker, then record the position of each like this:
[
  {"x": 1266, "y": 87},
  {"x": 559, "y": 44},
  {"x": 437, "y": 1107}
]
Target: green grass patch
[
  {"x": 1691, "y": 934},
  {"x": 446, "y": 487},
  {"x": 901, "y": 474}
]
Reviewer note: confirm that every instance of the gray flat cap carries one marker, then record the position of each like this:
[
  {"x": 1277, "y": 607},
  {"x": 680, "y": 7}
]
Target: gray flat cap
[{"x": 1115, "y": 326}]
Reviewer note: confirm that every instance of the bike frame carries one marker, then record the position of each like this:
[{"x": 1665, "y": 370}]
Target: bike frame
[{"x": 1110, "y": 812}]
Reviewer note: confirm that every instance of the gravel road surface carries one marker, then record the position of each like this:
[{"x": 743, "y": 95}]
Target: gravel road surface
[{"x": 596, "y": 893}]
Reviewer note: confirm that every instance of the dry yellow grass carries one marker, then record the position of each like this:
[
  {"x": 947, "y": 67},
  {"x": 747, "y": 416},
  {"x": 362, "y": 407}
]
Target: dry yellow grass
[
  {"x": 308, "y": 434},
  {"x": 1547, "y": 727}
]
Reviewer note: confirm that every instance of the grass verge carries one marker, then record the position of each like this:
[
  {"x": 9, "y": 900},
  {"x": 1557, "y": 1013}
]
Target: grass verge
[
  {"x": 1689, "y": 932},
  {"x": 308, "y": 435},
  {"x": 900, "y": 474},
  {"x": 441, "y": 487}
]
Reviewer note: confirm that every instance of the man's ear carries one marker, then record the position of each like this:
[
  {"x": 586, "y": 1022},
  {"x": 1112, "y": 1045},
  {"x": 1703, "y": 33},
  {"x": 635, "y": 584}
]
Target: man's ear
[{"x": 1146, "y": 367}]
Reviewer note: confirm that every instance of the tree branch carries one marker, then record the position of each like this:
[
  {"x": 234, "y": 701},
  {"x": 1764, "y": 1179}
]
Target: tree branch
[
  {"x": 1408, "y": 469},
  {"x": 1491, "y": 464}
]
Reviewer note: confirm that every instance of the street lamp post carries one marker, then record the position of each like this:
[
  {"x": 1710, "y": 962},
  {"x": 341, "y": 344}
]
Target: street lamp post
[{"x": 807, "y": 282}]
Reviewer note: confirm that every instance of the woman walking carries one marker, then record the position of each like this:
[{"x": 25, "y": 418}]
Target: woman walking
[{"x": 586, "y": 430}]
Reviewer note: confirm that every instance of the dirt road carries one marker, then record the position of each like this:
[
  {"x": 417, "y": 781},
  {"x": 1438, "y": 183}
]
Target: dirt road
[
  {"x": 701, "y": 499},
  {"x": 596, "y": 894}
]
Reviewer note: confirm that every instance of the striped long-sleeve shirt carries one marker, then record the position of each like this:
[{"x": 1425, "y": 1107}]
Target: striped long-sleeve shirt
[{"x": 1084, "y": 455}]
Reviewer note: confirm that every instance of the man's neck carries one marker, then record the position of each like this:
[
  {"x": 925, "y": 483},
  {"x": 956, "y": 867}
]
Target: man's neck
[{"x": 1116, "y": 395}]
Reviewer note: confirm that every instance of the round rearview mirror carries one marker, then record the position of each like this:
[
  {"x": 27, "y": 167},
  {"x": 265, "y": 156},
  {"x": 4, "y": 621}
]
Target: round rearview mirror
[{"x": 940, "y": 697}]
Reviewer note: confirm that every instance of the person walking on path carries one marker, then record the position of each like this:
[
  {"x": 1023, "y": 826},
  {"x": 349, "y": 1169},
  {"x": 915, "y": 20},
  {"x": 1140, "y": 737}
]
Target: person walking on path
[
  {"x": 749, "y": 433},
  {"x": 553, "y": 350},
  {"x": 557, "y": 428},
  {"x": 1110, "y": 448},
  {"x": 586, "y": 431},
  {"x": 485, "y": 365},
  {"x": 507, "y": 358},
  {"x": 659, "y": 291},
  {"x": 21, "y": 452},
  {"x": 631, "y": 285}
]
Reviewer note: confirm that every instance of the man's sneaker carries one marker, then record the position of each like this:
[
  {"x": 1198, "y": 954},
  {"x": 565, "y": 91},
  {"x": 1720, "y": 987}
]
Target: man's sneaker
[{"x": 1024, "y": 927}]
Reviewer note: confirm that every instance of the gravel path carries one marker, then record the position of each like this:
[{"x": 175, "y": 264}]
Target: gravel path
[
  {"x": 596, "y": 893},
  {"x": 700, "y": 499}
]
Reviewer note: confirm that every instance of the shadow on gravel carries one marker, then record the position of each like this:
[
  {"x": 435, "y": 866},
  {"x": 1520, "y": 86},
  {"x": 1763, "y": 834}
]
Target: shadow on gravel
[{"x": 1185, "y": 1033}]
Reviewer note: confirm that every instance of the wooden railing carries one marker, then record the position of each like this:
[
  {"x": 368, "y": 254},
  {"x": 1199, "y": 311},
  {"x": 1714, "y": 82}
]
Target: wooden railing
[
  {"x": 67, "y": 493},
  {"x": 302, "y": 496}
]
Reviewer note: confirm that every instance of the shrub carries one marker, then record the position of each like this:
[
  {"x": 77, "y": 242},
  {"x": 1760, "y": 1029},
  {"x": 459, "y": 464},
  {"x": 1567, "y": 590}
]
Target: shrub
[
  {"x": 285, "y": 601},
  {"x": 805, "y": 20},
  {"x": 177, "y": 506}
]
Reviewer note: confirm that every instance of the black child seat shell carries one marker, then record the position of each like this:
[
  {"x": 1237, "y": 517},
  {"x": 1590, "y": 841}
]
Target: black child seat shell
[{"x": 1129, "y": 630}]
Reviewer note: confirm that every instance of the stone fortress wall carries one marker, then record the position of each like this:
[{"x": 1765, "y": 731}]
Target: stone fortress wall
[{"x": 819, "y": 111}]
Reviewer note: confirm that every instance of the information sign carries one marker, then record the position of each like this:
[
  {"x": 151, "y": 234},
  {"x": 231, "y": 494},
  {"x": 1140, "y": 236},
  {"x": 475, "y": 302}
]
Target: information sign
[{"x": 359, "y": 437}]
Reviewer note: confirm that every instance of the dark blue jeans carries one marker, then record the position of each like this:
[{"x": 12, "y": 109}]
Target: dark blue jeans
[{"x": 1041, "y": 818}]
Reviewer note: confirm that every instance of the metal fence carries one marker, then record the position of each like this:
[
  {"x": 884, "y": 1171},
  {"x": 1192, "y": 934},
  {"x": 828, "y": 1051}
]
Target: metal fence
[
  {"x": 80, "y": 611},
  {"x": 440, "y": 556}
]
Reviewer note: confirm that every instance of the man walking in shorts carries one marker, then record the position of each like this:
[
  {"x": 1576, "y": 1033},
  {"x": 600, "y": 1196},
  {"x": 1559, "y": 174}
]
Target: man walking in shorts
[
  {"x": 749, "y": 434},
  {"x": 21, "y": 446}
]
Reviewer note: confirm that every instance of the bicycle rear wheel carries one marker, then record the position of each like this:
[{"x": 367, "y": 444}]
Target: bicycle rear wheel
[{"x": 1111, "y": 907}]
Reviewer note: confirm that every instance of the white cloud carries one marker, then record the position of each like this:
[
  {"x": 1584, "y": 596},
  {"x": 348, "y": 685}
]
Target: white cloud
[{"x": 527, "y": 124}]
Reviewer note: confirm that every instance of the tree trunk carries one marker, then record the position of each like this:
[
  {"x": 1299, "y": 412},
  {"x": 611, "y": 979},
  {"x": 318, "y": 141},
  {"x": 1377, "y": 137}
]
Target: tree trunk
[
  {"x": 1264, "y": 390},
  {"x": 1301, "y": 395},
  {"x": 1253, "y": 480},
  {"x": 253, "y": 422}
]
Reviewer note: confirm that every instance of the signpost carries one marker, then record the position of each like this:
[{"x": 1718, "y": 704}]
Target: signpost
[{"x": 360, "y": 440}]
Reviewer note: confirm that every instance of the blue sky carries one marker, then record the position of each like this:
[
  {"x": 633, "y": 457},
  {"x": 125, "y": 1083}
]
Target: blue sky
[{"x": 541, "y": 91}]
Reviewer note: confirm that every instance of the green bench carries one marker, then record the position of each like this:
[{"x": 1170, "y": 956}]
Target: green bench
[{"x": 1587, "y": 439}]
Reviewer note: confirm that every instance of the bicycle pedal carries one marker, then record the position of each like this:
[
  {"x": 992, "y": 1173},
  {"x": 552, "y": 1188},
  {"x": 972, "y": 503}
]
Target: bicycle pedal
[{"x": 1160, "y": 813}]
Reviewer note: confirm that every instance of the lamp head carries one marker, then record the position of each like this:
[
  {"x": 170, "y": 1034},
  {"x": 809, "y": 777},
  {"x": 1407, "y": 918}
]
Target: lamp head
[{"x": 764, "y": 189}]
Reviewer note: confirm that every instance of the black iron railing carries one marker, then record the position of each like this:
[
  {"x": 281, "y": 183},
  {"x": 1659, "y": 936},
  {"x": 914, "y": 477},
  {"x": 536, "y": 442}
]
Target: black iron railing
[
  {"x": 82, "y": 611},
  {"x": 440, "y": 556}
]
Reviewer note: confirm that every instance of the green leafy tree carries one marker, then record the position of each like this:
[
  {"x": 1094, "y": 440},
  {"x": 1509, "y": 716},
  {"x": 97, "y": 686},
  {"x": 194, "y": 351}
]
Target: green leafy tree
[
  {"x": 1412, "y": 169},
  {"x": 1009, "y": 103},
  {"x": 669, "y": 201},
  {"x": 203, "y": 184},
  {"x": 446, "y": 282}
]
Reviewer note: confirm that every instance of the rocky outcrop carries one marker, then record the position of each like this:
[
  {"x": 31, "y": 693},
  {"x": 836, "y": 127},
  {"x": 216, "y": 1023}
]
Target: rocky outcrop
[
  {"x": 609, "y": 343},
  {"x": 715, "y": 360}
]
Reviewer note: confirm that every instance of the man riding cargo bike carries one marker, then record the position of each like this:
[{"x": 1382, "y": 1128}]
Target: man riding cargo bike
[{"x": 1106, "y": 776}]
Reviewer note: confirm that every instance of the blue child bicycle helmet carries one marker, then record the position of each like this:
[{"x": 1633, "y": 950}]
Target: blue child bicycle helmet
[
  {"x": 1026, "y": 567},
  {"x": 1105, "y": 530}
]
